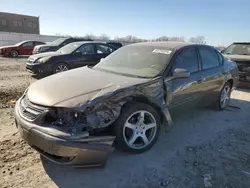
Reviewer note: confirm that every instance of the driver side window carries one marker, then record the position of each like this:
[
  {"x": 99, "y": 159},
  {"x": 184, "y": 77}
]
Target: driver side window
[
  {"x": 28, "y": 44},
  {"x": 187, "y": 60},
  {"x": 86, "y": 49}
]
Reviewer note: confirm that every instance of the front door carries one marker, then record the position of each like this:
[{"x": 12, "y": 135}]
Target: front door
[
  {"x": 85, "y": 55},
  {"x": 26, "y": 48},
  {"x": 186, "y": 92}
]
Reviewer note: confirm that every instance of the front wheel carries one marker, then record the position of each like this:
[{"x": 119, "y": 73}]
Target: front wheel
[
  {"x": 224, "y": 97},
  {"x": 14, "y": 53},
  {"x": 60, "y": 67},
  {"x": 137, "y": 128}
]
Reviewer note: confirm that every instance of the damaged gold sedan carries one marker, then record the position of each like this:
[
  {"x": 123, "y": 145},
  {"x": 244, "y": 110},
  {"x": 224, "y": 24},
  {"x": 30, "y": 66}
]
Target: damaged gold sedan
[{"x": 74, "y": 117}]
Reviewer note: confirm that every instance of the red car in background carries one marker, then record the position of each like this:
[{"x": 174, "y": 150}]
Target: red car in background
[{"x": 21, "y": 48}]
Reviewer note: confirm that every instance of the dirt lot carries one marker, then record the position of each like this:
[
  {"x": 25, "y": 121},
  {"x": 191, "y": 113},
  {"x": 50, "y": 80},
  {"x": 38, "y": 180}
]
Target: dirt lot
[{"x": 204, "y": 149}]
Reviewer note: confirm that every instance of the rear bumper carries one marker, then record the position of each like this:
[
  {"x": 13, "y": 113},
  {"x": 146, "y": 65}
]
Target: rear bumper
[{"x": 86, "y": 151}]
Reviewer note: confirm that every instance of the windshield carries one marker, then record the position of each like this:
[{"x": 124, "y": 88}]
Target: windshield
[
  {"x": 238, "y": 49},
  {"x": 57, "y": 42},
  {"x": 18, "y": 44},
  {"x": 139, "y": 61},
  {"x": 69, "y": 48}
]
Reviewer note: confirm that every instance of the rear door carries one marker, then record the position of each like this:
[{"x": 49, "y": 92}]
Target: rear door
[
  {"x": 26, "y": 48},
  {"x": 186, "y": 92},
  {"x": 212, "y": 74},
  {"x": 85, "y": 55}
]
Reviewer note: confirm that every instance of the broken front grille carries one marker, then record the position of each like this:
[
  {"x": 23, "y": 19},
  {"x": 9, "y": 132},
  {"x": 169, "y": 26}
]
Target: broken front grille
[
  {"x": 29, "y": 110},
  {"x": 243, "y": 66}
]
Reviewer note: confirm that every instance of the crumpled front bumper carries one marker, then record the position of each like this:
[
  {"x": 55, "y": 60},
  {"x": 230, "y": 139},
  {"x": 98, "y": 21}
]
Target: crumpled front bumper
[{"x": 87, "y": 151}]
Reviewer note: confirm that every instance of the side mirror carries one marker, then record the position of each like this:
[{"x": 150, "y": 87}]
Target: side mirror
[{"x": 181, "y": 73}]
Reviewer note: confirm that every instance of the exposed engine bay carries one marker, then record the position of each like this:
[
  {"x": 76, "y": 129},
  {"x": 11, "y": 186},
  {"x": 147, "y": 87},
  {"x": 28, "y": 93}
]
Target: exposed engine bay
[{"x": 89, "y": 119}]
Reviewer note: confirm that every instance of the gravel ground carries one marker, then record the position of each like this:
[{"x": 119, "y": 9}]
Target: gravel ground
[{"x": 204, "y": 149}]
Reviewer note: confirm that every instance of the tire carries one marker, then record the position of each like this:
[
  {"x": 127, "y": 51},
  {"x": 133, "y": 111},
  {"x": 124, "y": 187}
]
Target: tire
[
  {"x": 60, "y": 67},
  {"x": 129, "y": 128},
  {"x": 14, "y": 53},
  {"x": 224, "y": 96}
]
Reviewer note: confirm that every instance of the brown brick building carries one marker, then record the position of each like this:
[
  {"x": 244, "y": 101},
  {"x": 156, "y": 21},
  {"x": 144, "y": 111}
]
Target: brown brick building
[{"x": 19, "y": 23}]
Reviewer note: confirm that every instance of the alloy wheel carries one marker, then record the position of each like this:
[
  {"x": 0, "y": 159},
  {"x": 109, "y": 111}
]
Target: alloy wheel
[
  {"x": 139, "y": 129},
  {"x": 225, "y": 96},
  {"x": 14, "y": 53},
  {"x": 61, "y": 68}
]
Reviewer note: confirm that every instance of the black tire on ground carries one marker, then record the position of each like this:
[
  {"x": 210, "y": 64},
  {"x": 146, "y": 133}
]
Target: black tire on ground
[
  {"x": 62, "y": 66},
  {"x": 219, "y": 105},
  {"x": 119, "y": 125},
  {"x": 14, "y": 53}
]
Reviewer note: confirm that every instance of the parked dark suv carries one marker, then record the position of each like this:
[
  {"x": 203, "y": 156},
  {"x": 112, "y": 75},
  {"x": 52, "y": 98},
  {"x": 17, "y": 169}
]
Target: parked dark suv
[
  {"x": 57, "y": 44},
  {"x": 240, "y": 53}
]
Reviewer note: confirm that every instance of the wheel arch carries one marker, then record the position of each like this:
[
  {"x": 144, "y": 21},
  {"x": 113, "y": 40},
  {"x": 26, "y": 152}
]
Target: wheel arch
[
  {"x": 231, "y": 82},
  {"x": 65, "y": 62},
  {"x": 14, "y": 50},
  {"x": 143, "y": 99}
]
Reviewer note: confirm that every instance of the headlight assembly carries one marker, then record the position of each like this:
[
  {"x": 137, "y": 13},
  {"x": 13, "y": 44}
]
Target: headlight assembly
[{"x": 43, "y": 60}]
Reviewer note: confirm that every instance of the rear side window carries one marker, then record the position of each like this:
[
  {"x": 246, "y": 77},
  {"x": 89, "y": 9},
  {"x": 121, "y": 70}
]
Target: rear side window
[
  {"x": 38, "y": 43},
  {"x": 187, "y": 60},
  {"x": 103, "y": 49},
  {"x": 209, "y": 58}
]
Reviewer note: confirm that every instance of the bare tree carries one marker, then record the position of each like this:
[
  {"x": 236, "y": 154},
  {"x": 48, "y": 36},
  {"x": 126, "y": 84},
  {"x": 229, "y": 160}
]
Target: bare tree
[
  {"x": 131, "y": 38},
  {"x": 179, "y": 39},
  {"x": 62, "y": 35},
  {"x": 104, "y": 37},
  {"x": 163, "y": 38},
  {"x": 90, "y": 36},
  {"x": 198, "y": 40}
]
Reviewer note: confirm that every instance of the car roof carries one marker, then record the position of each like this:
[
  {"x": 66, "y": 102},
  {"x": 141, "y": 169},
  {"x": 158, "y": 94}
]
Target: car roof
[
  {"x": 84, "y": 42},
  {"x": 32, "y": 41},
  {"x": 167, "y": 44},
  {"x": 241, "y": 43}
]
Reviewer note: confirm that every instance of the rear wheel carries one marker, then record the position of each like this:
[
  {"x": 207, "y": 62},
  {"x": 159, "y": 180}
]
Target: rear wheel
[
  {"x": 137, "y": 128},
  {"x": 14, "y": 53},
  {"x": 61, "y": 67}
]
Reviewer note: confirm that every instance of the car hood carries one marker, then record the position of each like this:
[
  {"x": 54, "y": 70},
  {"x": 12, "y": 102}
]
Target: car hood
[
  {"x": 45, "y": 54},
  {"x": 238, "y": 57},
  {"x": 2, "y": 47},
  {"x": 78, "y": 86},
  {"x": 44, "y": 45}
]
